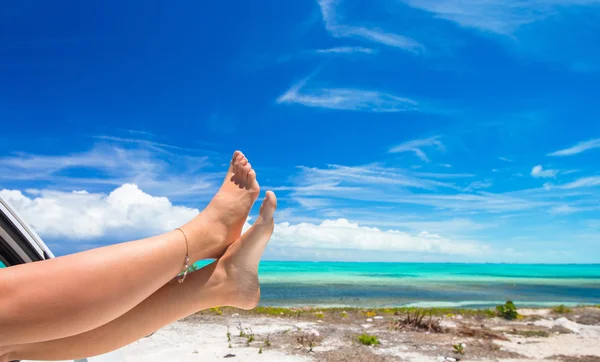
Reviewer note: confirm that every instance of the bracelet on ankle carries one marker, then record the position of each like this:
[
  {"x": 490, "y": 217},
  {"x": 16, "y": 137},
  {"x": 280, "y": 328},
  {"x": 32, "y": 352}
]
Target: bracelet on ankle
[{"x": 187, "y": 258}]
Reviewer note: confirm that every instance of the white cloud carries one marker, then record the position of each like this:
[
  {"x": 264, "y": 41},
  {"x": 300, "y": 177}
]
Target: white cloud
[
  {"x": 346, "y": 50},
  {"x": 578, "y": 148},
  {"x": 128, "y": 212},
  {"x": 330, "y": 19},
  {"x": 342, "y": 234},
  {"x": 538, "y": 171},
  {"x": 416, "y": 145},
  {"x": 494, "y": 16},
  {"x": 582, "y": 182},
  {"x": 78, "y": 215},
  {"x": 346, "y": 99},
  {"x": 505, "y": 159}
]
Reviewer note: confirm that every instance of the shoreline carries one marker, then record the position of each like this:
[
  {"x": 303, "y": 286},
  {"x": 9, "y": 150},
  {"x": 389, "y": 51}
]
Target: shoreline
[{"x": 270, "y": 334}]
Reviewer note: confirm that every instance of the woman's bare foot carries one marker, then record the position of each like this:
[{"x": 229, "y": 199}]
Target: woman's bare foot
[
  {"x": 221, "y": 223},
  {"x": 237, "y": 269}
]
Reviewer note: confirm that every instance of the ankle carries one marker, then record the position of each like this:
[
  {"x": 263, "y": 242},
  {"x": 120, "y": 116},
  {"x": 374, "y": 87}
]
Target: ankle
[{"x": 204, "y": 242}]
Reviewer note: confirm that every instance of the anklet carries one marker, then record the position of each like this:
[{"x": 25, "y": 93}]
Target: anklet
[{"x": 187, "y": 258}]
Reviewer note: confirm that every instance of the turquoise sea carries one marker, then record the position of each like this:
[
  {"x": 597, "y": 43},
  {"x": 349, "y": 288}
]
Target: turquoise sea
[{"x": 426, "y": 284}]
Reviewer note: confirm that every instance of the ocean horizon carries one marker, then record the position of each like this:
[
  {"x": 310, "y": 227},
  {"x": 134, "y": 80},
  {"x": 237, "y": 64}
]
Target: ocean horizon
[{"x": 460, "y": 285}]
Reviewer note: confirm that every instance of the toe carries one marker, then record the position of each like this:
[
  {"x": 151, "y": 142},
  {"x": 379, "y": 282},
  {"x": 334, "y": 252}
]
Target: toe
[
  {"x": 251, "y": 180},
  {"x": 246, "y": 170},
  {"x": 237, "y": 167},
  {"x": 235, "y": 156},
  {"x": 233, "y": 160},
  {"x": 268, "y": 206}
]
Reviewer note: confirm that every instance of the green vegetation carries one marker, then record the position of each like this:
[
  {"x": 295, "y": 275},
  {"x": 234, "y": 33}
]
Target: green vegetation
[
  {"x": 249, "y": 339},
  {"x": 561, "y": 309},
  {"x": 508, "y": 311},
  {"x": 370, "y": 314},
  {"x": 216, "y": 311},
  {"x": 228, "y": 335},
  {"x": 459, "y": 348},
  {"x": 260, "y": 350},
  {"x": 490, "y": 313},
  {"x": 345, "y": 312},
  {"x": 267, "y": 341},
  {"x": 230, "y": 345},
  {"x": 368, "y": 340}
]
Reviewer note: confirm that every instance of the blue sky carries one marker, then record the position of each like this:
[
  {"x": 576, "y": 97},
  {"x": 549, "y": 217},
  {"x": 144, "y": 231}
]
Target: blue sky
[{"x": 428, "y": 130}]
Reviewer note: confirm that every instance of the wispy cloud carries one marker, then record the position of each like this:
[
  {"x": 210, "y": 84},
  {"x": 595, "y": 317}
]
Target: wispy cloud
[
  {"x": 330, "y": 19},
  {"x": 416, "y": 146},
  {"x": 346, "y": 99},
  {"x": 478, "y": 185},
  {"x": 539, "y": 172},
  {"x": 505, "y": 159},
  {"x": 578, "y": 148},
  {"x": 494, "y": 16},
  {"x": 147, "y": 164},
  {"x": 582, "y": 182},
  {"x": 346, "y": 50},
  {"x": 351, "y": 178}
]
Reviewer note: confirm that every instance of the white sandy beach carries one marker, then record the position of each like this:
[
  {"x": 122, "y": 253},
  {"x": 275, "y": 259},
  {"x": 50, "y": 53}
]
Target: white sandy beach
[
  {"x": 194, "y": 340},
  {"x": 204, "y": 338}
]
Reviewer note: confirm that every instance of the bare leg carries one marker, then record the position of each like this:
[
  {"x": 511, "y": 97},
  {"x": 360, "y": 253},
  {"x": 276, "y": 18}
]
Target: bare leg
[
  {"x": 73, "y": 294},
  {"x": 230, "y": 281}
]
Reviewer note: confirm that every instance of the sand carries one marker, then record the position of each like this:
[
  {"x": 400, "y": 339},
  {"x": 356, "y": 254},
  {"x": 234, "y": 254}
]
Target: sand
[
  {"x": 334, "y": 339},
  {"x": 203, "y": 338}
]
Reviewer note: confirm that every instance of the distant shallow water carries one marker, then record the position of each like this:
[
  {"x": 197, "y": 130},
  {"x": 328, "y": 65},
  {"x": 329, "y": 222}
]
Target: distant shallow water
[{"x": 426, "y": 284}]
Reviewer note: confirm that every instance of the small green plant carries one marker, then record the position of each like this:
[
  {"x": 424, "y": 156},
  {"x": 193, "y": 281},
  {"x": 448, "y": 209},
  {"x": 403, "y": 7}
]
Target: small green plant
[
  {"x": 508, "y": 311},
  {"x": 344, "y": 315},
  {"x": 242, "y": 330},
  {"x": 228, "y": 335},
  {"x": 267, "y": 341},
  {"x": 490, "y": 313},
  {"x": 459, "y": 348},
  {"x": 370, "y": 314},
  {"x": 320, "y": 315},
  {"x": 216, "y": 311},
  {"x": 249, "y": 338},
  {"x": 310, "y": 346},
  {"x": 368, "y": 340},
  {"x": 561, "y": 309},
  {"x": 229, "y": 346},
  {"x": 260, "y": 350}
]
